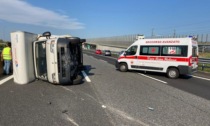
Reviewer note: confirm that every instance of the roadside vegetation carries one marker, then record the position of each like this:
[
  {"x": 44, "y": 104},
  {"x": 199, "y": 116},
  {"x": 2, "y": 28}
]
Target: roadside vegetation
[
  {"x": 204, "y": 67},
  {"x": 2, "y": 44},
  {"x": 204, "y": 55}
]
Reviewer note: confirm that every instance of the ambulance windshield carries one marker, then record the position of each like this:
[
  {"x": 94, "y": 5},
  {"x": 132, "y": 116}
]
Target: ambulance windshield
[{"x": 40, "y": 57}]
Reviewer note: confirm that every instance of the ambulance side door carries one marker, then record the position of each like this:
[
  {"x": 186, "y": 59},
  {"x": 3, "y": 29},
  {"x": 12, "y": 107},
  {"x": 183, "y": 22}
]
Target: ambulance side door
[{"x": 149, "y": 58}]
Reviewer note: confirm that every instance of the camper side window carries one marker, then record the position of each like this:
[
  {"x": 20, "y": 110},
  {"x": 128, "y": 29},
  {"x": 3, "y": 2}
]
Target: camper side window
[{"x": 132, "y": 50}]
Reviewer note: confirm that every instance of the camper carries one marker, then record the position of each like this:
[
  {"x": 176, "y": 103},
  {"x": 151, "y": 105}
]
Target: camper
[
  {"x": 56, "y": 59},
  {"x": 173, "y": 56}
]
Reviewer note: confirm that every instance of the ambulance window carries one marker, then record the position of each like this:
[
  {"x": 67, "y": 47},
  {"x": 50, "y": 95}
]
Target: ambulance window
[
  {"x": 145, "y": 50},
  {"x": 174, "y": 51},
  {"x": 153, "y": 50},
  {"x": 132, "y": 50},
  {"x": 150, "y": 50}
]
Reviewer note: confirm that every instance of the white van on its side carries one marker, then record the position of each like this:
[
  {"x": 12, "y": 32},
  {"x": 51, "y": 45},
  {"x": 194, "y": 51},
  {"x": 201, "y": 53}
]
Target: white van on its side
[
  {"x": 58, "y": 59},
  {"x": 173, "y": 56}
]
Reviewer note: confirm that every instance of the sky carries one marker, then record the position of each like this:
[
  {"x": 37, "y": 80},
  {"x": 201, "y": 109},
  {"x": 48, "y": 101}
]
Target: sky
[{"x": 105, "y": 18}]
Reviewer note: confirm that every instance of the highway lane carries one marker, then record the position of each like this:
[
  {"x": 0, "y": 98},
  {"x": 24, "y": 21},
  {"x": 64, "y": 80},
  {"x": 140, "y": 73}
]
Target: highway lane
[
  {"x": 109, "y": 98},
  {"x": 196, "y": 86},
  {"x": 42, "y": 104},
  {"x": 133, "y": 99}
]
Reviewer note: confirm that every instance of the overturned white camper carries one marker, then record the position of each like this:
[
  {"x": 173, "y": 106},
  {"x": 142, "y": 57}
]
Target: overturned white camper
[
  {"x": 57, "y": 59},
  {"x": 23, "y": 66}
]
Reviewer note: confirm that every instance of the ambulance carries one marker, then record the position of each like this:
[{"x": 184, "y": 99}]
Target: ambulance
[{"x": 173, "y": 56}]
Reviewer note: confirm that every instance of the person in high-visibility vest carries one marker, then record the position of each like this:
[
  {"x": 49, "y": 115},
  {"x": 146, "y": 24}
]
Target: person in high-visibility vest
[{"x": 6, "y": 55}]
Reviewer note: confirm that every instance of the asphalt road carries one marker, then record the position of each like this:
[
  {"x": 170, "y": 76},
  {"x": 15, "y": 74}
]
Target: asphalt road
[{"x": 107, "y": 97}]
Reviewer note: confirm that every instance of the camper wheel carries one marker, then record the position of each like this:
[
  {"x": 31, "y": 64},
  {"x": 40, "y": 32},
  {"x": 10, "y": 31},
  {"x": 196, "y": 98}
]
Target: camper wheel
[
  {"x": 172, "y": 73},
  {"x": 123, "y": 67},
  {"x": 74, "y": 40}
]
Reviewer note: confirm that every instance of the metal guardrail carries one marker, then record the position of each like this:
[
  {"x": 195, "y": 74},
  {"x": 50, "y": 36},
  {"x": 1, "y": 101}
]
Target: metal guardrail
[{"x": 204, "y": 60}]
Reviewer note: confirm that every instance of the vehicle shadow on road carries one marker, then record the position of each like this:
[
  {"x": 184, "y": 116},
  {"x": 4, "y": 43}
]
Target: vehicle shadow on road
[{"x": 159, "y": 74}]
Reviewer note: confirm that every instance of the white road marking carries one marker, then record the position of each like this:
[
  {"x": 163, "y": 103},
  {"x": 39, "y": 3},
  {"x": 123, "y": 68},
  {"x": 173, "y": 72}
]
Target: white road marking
[
  {"x": 71, "y": 120},
  {"x": 86, "y": 77},
  {"x": 6, "y": 79},
  {"x": 201, "y": 78},
  {"x": 103, "y": 60},
  {"x": 153, "y": 78}
]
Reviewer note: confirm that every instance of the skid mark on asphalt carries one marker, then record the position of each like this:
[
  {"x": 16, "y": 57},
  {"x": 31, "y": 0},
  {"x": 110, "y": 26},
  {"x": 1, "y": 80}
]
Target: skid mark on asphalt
[
  {"x": 126, "y": 116},
  {"x": 6, "y": 79},
  {"x": 67, "y": 89},
  {"x": 88, "y": 95}
]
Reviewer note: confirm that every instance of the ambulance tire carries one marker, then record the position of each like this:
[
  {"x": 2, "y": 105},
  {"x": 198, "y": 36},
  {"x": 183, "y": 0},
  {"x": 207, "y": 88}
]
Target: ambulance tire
[
  {"x": 74, "y": 40},
  {"x": 123, "y": 67},
  {"x": 77, "y": 80},
  {"x": 173, "y": 73}
]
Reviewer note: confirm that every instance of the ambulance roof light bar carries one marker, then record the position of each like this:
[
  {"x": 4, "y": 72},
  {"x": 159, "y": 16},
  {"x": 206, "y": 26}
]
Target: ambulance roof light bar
[
  {"x": 193, "y": 37},
  {"x": 140, "y": 37}
]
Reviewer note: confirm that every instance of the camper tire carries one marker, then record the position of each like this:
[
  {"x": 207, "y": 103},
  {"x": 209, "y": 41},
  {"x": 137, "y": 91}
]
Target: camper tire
[
  {"x": 77, "y": 80},
  {"x": 74, "y": 40},
  {"x": 173, "y": 73},
  {"x": 123, "y": 67}
]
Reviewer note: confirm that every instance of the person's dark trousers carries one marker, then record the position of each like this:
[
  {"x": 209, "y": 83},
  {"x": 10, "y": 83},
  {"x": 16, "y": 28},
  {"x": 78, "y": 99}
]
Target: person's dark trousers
[{"x": 7, "y": 65}]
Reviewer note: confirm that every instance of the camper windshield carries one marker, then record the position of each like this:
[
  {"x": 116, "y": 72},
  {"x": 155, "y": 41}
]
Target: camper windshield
[{"x": 40, "y": 57}]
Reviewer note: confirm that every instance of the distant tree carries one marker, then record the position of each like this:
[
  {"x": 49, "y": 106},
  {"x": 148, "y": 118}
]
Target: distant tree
[{"x": 2, "y": 44}]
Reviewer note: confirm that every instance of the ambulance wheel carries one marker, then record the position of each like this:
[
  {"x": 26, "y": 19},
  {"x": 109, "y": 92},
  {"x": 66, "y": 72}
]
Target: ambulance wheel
[
  {"x": 173, "y": 73},
  {"x": 123, "y": 67},
  {"x": 77, "y": 80},
  {"x": 74, "y": 40}
]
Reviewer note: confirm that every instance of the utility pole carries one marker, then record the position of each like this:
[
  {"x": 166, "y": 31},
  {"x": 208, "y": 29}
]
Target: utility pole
[
  {"x": 152, "y": 32},
  {"x": 174, "y": 33}
]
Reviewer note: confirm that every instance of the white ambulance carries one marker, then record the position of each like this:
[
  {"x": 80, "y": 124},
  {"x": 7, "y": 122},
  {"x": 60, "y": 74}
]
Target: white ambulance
[{"x": 173, "y": 56}]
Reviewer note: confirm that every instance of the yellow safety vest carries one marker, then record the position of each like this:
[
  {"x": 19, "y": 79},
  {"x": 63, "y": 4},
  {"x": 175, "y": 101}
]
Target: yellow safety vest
[{"x": 6, "y": 53}]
